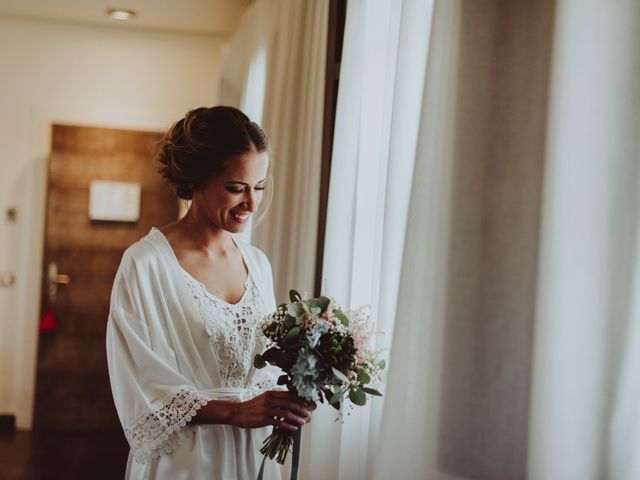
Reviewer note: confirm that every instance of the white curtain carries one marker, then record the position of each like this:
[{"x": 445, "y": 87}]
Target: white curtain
[
  {"x": 585, "y": 420},
  {"x": 505, "y": 184},
  {"x": 376, "y": 132},
  {"x": 274, "y": 70}
]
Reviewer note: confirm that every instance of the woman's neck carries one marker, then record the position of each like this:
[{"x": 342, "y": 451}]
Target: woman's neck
[{"x": 196, "y": 232}]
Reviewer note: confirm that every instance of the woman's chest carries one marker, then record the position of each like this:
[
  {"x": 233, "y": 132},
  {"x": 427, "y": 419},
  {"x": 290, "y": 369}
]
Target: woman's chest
[
  {"x": 233, "y": 330},
  {"x": 224, "y": 278}
]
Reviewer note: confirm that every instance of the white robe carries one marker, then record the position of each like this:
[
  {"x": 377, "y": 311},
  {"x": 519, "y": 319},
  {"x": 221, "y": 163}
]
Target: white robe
[{"x": 163, "y": 369}]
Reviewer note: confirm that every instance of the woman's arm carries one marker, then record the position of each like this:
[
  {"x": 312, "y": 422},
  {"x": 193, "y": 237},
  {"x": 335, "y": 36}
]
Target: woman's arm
[{"x": 278, "y": 408}]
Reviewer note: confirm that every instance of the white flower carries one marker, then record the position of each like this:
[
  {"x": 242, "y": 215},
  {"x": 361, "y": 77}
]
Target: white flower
[
  {"x": 314, "y": 333},
  {"x": 305, "y": 374}
]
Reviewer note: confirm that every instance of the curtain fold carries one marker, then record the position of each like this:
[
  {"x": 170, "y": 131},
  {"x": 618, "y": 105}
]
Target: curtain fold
[
  {"x": 407, "y": 441},
  {"x": 274, "y": 69},
  {"x": 376, "y": 133},
  {"x": 623, "y": 461},
  {"x": 583, "y": 423}
]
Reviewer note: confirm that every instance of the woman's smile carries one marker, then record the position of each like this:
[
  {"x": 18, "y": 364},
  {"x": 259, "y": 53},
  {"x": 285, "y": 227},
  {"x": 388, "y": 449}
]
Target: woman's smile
[{"x": 240, "y": 217}]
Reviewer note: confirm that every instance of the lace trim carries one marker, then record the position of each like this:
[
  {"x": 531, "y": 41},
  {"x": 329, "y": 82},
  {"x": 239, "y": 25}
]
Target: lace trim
[
  {"x": 232, "y": 330},
  {"x": 163, "y": 430},
  {"x": 266, "y": 382}
]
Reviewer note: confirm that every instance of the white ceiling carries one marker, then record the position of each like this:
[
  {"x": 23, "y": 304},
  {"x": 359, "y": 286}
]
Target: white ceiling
[{"x": 211, "y": 17}]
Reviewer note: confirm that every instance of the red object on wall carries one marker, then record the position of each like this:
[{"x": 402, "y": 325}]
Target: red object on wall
[{"x": 48, "y": 320}]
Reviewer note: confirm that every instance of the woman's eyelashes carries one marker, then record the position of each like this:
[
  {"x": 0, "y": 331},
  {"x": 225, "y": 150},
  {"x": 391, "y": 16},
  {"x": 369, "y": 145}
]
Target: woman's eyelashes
[{"x": 233, "y": 189}]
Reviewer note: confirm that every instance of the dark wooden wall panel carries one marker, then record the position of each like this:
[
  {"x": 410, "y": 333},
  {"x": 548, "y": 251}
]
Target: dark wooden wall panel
[{"x": 72, "y": 388}]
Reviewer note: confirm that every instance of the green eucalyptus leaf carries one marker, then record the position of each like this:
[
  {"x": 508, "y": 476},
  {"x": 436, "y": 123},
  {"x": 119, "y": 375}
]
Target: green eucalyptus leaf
[
  {"x": 339, "y": 375},
  {"x": 294, "y": 296},
  {"x": 357, "y": 397},
  {"x": 296, "y": 310},
  {"x": 309, "y": 303},
  {"x": 382, "y": 364},
  {"x": 363, "y": 377},
  {"x": 323, "y": 303},
  {"x": 293, "y": 333},
  {"x": 337, "y": 396},
  {"x": 372, "y": 391},
  {"x": 342, "y": 317},
  {"x": 315, "y": 310},
  {"x": 258, "y": 362}
]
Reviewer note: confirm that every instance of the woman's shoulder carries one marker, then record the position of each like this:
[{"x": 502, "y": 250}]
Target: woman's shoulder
[
  {"x": 145, "y": 251},
  {"x": 137, "y": 266}
]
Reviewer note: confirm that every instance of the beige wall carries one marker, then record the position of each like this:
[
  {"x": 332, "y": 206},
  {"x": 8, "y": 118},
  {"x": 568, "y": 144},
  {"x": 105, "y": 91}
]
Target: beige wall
[{"x": 54, "y": 72}]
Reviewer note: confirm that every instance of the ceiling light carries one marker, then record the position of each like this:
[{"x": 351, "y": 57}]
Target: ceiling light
[{"x": 120, "y": 13}]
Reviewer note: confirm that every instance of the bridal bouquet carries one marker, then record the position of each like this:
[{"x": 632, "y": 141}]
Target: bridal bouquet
[{"x": 324, "y": 353}]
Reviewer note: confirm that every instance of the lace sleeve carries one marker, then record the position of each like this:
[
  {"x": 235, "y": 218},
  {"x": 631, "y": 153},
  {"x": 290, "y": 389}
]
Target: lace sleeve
[{"x": 162, "y": 430}]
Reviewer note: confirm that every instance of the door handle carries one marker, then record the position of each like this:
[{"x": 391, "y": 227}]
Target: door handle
[
  {"x": 56, "y": 279},
  {"x": 61, "y": 279}
]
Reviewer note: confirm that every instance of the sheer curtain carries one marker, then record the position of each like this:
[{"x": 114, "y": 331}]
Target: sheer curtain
[
  {"x": 512, "y": 208},
  {"x": 274, "y": 70},
  {"x": 585, "y": 420},
  {"x": 376, "y": 132}
]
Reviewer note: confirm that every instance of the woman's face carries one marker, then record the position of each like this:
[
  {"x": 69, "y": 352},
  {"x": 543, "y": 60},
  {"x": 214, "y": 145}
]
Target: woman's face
[{"x": 229, "y": 200}]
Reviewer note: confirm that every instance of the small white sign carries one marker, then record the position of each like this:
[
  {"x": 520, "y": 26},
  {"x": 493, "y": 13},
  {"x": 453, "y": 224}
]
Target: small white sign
[{"x": 114, "y": 201}]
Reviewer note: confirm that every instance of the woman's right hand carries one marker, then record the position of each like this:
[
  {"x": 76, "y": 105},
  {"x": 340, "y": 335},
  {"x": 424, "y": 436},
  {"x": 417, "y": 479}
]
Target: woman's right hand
[{"x": 275, "y": 407}]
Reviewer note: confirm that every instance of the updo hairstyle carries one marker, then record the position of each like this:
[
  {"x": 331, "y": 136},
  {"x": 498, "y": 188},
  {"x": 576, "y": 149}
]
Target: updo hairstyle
[{"x": 203, "y": 143}]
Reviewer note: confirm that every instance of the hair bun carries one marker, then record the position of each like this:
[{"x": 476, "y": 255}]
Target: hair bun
[{"x": 201, "y": 145}]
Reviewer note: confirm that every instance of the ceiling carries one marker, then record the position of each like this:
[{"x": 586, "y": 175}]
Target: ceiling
[{"x": 210, "y": 17}]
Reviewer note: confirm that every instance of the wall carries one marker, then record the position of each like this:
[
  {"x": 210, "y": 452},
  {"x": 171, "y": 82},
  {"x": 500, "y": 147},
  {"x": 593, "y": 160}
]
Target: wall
[{"x": 72, "y": 74}]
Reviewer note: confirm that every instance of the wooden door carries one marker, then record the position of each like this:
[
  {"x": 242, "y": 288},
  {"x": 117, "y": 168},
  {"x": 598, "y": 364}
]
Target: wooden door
[{"x": 72, "y": 388}]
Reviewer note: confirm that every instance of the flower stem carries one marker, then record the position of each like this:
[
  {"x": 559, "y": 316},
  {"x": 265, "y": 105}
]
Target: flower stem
[{"x": 277, "y": 445}]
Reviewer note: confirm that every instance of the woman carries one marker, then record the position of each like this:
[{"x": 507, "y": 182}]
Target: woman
[{"x": 186, "y": 301}]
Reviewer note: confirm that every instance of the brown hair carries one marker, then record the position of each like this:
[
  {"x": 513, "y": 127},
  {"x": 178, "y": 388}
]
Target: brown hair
[{"x": 202, "y": 144}]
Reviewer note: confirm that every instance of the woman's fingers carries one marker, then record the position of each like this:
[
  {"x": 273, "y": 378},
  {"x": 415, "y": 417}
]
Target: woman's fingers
[
  {"x": 284, "y": 404},
  {"x": 290, "y": 417},
  {"x": 284, "y": 425},
  {"x": 280, "y": 420},
  {"x": 280, "y": 394},
  {"x": 279, "y": 408},
  {"x": 279, "y": 397},
  {"x": 282, "y": 409}
]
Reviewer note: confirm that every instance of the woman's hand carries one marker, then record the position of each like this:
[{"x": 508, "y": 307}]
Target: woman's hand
[{"x": 275, "y": 407}]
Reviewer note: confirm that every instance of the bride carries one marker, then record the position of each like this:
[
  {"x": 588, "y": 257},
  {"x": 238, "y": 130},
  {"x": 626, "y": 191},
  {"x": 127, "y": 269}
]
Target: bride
[{"x": 185, "y": 304}]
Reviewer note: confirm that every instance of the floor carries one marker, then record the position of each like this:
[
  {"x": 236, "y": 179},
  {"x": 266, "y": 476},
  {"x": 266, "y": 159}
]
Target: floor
[{"x": 68, "y": 456}]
